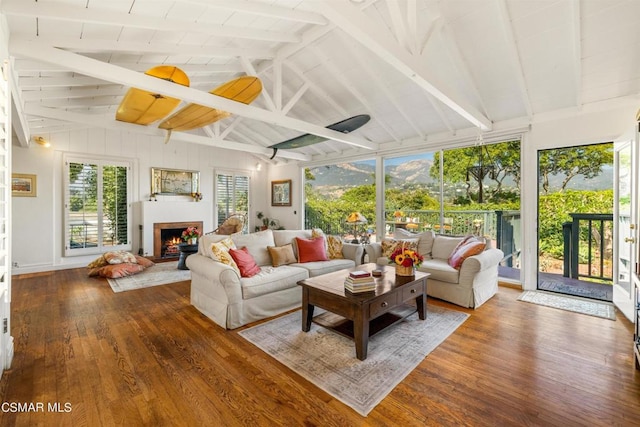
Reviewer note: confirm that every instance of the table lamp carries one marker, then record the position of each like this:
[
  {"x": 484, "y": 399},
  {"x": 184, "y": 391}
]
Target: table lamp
[{"x": 356, "y": 219}]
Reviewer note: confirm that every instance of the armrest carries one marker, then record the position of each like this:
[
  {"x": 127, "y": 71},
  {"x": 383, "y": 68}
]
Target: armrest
[
  {"x": 374, "y": 250},
  {"x": 353, "y": 251},
  {"x": 207, "y": 272},
  {"x": 487, "y": 259}
]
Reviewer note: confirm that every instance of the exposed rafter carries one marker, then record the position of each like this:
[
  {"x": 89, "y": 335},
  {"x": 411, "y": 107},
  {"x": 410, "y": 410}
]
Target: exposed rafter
[
  {"x": 106, "y": 122},
  {"x": 102, "y": 70},
  {"x": 514, "y": 56},
  {"x": 354, "y": 23}
]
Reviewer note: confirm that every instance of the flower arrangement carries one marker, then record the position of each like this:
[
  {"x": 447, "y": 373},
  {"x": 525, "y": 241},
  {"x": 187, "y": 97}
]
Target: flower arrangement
[
  {"x": 190, "y": 233},
  {"x": 405, "y": 257},
  {"x": 398, "y": 214},
  {"x": 196, "y": 196}
]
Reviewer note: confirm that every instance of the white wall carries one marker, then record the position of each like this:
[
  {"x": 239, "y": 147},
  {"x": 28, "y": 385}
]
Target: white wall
[{"x": 37, "y": 241}]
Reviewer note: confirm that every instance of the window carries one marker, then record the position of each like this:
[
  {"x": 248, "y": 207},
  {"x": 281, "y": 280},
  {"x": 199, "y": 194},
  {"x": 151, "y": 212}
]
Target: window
[
  {"x": 97, "y": 214},
  {"x": 232, "y": 195}
]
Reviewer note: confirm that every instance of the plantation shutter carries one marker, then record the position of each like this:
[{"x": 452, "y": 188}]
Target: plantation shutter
[
  {"x": 232, "y": 195},
  {"x": 97, "y": 214}
]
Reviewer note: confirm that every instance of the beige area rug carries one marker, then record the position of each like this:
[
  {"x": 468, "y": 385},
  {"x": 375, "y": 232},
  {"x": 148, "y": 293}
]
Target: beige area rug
[
  {"x": 329, "y": 361},
  {"x": 570, "y": 303},
  {"x": 160, "y": 274}
]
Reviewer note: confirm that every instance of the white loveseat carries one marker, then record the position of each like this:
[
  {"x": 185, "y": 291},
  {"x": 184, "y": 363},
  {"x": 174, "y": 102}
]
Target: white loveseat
[
  {"x": 472, "y": 285},
  {"x": 231, "y": 301}
]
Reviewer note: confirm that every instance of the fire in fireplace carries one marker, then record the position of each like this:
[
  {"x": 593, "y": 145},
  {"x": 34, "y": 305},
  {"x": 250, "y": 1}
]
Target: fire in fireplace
[{"x": 168, "y": 235}]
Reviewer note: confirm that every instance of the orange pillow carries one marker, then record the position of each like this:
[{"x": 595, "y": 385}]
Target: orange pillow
[
  {"x": 246, "y": 264},
  {"x": 469, "y": 248},
  {"x": 116, "y": 271},
  {"x": 310, "y": 250}
]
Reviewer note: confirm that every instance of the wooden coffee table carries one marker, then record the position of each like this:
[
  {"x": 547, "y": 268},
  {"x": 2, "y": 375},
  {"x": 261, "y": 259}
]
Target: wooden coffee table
[{"x": 360, "y": 316}]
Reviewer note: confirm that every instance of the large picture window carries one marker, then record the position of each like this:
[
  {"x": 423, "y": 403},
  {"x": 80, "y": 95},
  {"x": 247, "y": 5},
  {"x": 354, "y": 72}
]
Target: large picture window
[
  {"x": 232, "y": 195},
  {"x": 97, "y": 214}
]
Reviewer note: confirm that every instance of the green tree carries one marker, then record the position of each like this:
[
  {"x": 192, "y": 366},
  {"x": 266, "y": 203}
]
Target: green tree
[
  {"x": 499, "y": 161},
  {"x": 585, "y": 160}
]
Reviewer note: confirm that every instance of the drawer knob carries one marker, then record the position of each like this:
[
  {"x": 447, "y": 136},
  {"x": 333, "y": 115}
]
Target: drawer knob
[
  {"x": 413, "y": 291},
  {"x": 384, "y": 304}
]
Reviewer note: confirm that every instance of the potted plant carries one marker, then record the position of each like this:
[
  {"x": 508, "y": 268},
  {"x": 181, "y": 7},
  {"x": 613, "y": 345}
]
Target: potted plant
[{"x": 267, "y": 223}]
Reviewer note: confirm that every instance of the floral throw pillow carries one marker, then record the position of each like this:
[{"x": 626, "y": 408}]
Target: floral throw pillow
[
  {"x": 334, "y": 247},
  {"x": 220, "y": 253},
  {"x": 390, "y": 245},
  {"x": 119, "y": 257}
]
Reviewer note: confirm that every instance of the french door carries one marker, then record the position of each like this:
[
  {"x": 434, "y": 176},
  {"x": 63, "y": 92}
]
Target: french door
[{"x": 625, "y": 224}]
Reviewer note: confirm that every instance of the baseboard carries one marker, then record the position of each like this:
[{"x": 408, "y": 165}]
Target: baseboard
[{"x": 9, "y": 353}]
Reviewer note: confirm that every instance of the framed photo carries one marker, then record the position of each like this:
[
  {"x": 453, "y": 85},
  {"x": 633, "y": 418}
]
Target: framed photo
[
  {"x": 174, "y": 181},
  {"x": 281, "y": 193},
  {"x": 23, "y": 185}
]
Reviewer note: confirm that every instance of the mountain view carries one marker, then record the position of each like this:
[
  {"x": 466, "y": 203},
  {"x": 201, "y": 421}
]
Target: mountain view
[{"x": 329, "y": 179}]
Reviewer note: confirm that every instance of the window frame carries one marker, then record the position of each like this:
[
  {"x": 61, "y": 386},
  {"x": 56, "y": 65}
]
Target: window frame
[
  {"x": 100, "y": 162},
  {"x": 232, "y": 173}
]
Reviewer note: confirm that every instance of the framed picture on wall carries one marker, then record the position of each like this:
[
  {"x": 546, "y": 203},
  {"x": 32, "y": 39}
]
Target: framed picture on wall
[
  {"x": 23, "y": 185},
  {"x": 281, "y": 193},
  {"x": 174, "y": 181}
]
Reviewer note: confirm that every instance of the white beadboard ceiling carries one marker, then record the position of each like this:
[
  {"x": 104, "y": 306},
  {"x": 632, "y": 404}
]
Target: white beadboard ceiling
[{"x": 422, "y": 69}]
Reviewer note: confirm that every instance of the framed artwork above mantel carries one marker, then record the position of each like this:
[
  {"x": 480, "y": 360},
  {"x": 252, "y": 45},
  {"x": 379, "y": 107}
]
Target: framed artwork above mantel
[
  {"x": 281, "y": 193},
  {"x": 174, "y": 182}
]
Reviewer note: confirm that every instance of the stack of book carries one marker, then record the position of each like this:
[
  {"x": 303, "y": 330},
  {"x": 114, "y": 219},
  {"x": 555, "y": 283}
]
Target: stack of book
[{"x": 359, "y": 281}]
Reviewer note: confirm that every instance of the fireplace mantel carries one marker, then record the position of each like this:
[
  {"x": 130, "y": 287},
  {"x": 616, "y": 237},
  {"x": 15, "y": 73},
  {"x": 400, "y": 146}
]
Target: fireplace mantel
[{"x": 168, "y": 211}]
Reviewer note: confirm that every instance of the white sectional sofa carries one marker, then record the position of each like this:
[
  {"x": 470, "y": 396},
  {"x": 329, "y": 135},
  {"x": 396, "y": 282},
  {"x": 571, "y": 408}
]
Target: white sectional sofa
[
  {"x": 231, "y": 301},
  {"x": 469, "y": 286}
]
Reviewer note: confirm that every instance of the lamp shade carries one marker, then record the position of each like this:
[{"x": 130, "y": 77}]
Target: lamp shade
[{"x": 356, "y": 218}]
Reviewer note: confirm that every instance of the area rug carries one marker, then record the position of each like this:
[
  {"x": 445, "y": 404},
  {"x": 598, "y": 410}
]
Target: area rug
[
  {"x": 570, "y": 303},
  {"x": 329, "y": 361},
  {"x": 159, "y": 274}
]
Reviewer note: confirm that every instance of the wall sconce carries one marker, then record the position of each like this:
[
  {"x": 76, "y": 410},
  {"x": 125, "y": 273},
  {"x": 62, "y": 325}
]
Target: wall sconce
[
  {"x": 258, "y": 166},
  {"x": 41, "y": 141}
]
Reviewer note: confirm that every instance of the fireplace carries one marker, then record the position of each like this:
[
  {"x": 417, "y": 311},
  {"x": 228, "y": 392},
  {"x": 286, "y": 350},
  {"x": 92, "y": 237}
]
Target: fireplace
[{"x": 167, "y": 237}]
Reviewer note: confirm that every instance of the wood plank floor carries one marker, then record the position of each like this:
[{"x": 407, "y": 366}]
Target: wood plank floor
[{"x": 147, "y": 357}]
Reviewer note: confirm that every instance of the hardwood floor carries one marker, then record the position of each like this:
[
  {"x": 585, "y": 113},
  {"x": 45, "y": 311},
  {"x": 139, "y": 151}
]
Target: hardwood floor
[{"x": 147, "y": 357}]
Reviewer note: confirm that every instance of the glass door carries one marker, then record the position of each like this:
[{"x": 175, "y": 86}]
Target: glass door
[{"x": 625, "y": 226}]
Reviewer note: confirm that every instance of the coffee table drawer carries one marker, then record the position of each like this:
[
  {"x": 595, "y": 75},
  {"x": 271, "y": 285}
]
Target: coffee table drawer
[
  {"x": 412, "y": 291},
  {"x": 383, "y": 304}
]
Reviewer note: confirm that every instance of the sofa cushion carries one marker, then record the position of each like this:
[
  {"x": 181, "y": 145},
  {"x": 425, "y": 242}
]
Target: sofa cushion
[
  {"x": 443, "y": 246},
  {"x": 310, "y": 250},
  {"x": 256, "y": 244},
  {"x": 282, "y": 255},
  {"x": 282, "y": 237},
  {"x": 425, "y": 240},
  {"x": 440, "y": 270},
  {"x": 271, "y": 279},
  {"x": 464, "y": 250},
  {"x": 324, "y": 267},
  {"x": 246, "y": 264}
]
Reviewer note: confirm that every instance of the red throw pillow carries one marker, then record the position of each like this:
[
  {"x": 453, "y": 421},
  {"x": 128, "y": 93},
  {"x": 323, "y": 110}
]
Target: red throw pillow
[
  {"x": 462, "y": 252},
  {"x": 246, "y": 264},
  {"x": 310, "y": 250}
]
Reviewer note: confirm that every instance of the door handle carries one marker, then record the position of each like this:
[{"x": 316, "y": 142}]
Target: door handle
[{"x": 629, "y": 240}]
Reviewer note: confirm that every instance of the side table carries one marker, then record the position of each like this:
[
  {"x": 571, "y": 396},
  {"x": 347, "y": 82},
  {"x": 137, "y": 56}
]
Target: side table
[{"x": 185, "y": 250}]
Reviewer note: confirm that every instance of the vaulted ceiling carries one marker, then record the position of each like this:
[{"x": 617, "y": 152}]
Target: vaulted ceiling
[{"x": 422, "y": 69}]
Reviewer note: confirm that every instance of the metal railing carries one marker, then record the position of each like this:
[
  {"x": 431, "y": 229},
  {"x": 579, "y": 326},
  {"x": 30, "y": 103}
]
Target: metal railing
[{"x": 588, "y": 243}]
